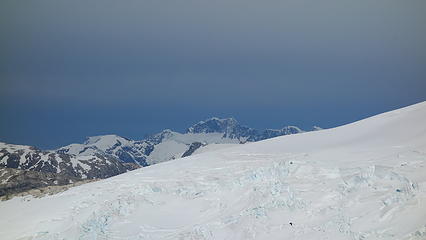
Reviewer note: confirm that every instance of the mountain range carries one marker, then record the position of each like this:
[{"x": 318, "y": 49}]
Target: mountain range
[{"x": 108, "y": 155}]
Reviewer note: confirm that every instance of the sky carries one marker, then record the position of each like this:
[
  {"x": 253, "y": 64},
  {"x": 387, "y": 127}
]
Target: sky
[{"x": 73, "y": 69}]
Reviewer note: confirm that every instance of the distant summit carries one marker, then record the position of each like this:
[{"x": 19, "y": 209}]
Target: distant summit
[
  {"x": 214, "y": 124},
  {"x": 232, "y": 129}
]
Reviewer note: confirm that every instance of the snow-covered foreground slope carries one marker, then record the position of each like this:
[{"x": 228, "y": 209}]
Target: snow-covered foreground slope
[{"x": 365, "y": 180}]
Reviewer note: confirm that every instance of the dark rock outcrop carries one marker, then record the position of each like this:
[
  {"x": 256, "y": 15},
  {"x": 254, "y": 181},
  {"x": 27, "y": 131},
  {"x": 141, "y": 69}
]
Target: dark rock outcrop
[
  {"x": 13, "y": 180},
  {"x": 192, "y": 148}
]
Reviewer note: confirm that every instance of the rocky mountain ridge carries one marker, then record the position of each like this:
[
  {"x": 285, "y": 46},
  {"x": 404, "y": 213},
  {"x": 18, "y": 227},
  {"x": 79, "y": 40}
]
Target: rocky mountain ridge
[
  {"x": 108, "y": 155},
  {"x": 168, "y": 144}
]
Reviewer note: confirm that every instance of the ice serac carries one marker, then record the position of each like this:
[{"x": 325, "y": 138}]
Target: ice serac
[{"x": 364, "y": 180}]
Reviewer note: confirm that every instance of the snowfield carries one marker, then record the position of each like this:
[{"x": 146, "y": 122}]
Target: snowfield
[{"x": 365, "y": 180}]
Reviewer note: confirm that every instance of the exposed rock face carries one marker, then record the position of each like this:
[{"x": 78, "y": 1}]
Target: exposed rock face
[
  {"x": 123, "y": 149},
  {"x": 228, "y": 126},
  {"x": 14, "y": 180},
  {"x": 192, "y": 148},
  {"x": 82, "y": 167},
  {"x": 24, "y": 167},
  {"x": 271, "y": 133},
  {"x": 232, "y": 129}
]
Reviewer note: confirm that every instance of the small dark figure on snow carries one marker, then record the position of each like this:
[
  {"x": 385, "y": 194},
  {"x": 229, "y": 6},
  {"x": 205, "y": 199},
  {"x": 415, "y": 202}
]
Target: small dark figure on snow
[{"x": 291, "y": 224}]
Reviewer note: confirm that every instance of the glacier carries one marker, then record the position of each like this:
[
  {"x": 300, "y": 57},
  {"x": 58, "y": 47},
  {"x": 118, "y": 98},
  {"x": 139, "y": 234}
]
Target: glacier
[{"x": 364, "y": 180}]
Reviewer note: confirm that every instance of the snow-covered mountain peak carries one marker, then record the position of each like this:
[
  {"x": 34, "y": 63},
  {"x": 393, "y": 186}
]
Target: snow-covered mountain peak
[
  {"x": 28, "y": 158},
  {"x": 163, "y": 135},
  {"x": 103, "y": 144},
  {"x": 106, "y": 141},
  {"x": 316, "y": 128},
  {"x": 214, "y": 125},
  {"x": 230, "y": 128}
]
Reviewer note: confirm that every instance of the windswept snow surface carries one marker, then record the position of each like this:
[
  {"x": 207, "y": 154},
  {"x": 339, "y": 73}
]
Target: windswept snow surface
[{"x": 365, "y": 180}]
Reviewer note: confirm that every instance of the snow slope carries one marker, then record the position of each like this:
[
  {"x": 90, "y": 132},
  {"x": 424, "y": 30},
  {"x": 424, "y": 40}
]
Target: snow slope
[
  {"x": 176, "y": 144},
  {"x": 365, "y": 180},
  {"x": 213, "y": 147}
]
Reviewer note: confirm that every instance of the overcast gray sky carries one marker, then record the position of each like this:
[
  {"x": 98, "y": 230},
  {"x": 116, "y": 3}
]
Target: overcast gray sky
[{"x": 71, "y": 69}]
